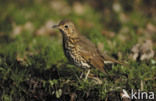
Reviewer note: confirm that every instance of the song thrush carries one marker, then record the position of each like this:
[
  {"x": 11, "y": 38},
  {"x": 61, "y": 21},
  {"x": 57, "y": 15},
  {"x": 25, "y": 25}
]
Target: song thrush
[{"x": 81, "y": 51}]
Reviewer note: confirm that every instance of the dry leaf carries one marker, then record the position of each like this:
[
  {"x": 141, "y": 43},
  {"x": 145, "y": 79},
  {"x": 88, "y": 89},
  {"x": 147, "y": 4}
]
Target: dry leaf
[
  {"x": 142, "y": 51},
  {"x": 100, "y": 46},
  {"x": 60, "y": 7},
  {"x": 151, "y": 27},
  {"x": 108, "y": 33},
  {"x": 78, "y": 8},
  {"x": 17, "y": 29},
  {"x": 46, "y": 29},
  {"x": 29, "y": 26},
  {"x": 123, "y": 18},
  {"x": 117, "y": 7}
]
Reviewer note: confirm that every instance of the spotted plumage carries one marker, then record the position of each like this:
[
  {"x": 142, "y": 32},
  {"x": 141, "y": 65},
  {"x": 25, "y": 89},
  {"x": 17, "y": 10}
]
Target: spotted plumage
[{"x": 81, "y": 51}]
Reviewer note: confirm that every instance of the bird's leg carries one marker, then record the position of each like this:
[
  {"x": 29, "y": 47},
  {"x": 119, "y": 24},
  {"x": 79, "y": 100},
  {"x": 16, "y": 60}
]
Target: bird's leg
[
  {"x": 81, "y": 75},
  {"x": 87, "y": 74}
]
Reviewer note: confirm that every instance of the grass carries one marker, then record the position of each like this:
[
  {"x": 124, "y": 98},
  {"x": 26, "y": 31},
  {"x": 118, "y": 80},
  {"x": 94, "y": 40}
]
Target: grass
[{"x": 33, "y": 67}]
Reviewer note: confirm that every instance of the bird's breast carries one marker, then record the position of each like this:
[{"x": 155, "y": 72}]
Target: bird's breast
[{"x": 71, "y": 51}]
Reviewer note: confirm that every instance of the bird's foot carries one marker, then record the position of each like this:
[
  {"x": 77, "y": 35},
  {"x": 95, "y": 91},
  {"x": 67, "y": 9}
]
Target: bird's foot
[
  {"x": 81, "y": 76},
  {"x": 86, "y": 77}
]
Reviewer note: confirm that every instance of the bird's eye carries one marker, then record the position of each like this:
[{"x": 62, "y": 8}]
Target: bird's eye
[{"x": 66, "y": 26}]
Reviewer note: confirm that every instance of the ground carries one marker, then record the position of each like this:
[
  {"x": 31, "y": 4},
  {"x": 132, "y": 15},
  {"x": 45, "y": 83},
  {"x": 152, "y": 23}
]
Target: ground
[{"x": 32, "y": 63}]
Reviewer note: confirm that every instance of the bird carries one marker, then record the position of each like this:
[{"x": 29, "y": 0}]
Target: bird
[{"x": 80, "y": 51}]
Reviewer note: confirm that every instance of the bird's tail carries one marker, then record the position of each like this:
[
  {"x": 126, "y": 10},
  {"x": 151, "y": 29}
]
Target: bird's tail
[{"x": 111, "y": 60}]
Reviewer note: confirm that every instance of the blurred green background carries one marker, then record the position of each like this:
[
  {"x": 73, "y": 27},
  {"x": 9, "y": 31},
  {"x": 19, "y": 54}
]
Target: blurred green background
[{"x": 34, "y": 68}]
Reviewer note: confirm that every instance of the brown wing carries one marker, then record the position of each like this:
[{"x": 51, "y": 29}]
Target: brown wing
[
  {"x": 93, "y": 56},
  {"x": 89, "y": 52},
  {"x": 92, "y": 47}
]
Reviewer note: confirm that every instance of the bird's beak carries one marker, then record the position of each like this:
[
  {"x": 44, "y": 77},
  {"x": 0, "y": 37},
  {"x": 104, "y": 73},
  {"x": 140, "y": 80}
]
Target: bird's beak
[{"x": 55, "y": 26}]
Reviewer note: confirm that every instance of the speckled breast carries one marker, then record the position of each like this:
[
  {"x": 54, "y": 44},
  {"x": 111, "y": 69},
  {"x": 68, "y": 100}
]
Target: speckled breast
[{"x": 71, "y": 51}]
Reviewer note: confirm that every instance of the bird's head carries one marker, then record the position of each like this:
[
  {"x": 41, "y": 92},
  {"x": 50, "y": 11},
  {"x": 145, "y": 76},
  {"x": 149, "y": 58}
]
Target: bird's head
[{"x": 67, "y": 28}]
